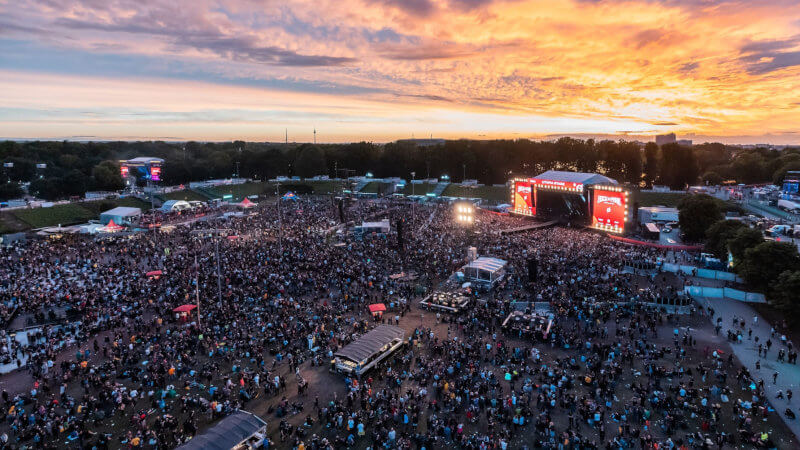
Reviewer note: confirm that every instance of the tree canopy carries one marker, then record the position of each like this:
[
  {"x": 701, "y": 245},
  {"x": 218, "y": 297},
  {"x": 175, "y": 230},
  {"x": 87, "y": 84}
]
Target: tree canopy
[{"x": 696, "y": 214}]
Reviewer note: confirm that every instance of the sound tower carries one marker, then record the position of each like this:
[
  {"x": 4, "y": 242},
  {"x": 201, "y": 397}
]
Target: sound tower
[
  {"x": 399, "y": 227},
  {"x": 533, "y": 269},
  {"x": 341, "y": 210}
]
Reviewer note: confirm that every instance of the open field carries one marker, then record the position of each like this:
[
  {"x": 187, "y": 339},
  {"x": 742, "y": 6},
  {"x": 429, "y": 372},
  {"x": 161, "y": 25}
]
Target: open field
[
  {"x": 491, "y": 193},
  {"x": 24, "y": 219},
  {"x": 660, "y": 199},
  {"x": 186, "y": 194}
]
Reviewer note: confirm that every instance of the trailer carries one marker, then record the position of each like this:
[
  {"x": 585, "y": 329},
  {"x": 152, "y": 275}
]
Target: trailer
[
  {"x": 788, "y": 205},
  {"x": 369, "y": 350}
]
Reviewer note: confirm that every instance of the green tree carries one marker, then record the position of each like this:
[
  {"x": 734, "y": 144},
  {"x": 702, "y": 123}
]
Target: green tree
[
  {"x": 10, "y": 191},
  {"x": 107, "y": 176},
  {"x": 678, "y": 166},
  {"x": 719, "y": 234},
  {"x": 310, "y": 161},
  {"x": 712, "y": 178},
  {"x": 650, "y": 163},
  {"x": 696, "y": 214},
  {"x": 742, "y": 240},
  {"x": 763, "y": 263},
  {"x": 785, "y": 294}
]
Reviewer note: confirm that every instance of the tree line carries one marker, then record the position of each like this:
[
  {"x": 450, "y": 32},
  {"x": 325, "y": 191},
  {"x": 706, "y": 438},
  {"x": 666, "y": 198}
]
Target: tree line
[{"x": 72, "y": 168}]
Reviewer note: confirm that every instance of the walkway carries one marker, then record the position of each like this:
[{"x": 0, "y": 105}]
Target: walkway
[
  {"x": 747, "y": 352},
  {"x": 533, "y": 226}
]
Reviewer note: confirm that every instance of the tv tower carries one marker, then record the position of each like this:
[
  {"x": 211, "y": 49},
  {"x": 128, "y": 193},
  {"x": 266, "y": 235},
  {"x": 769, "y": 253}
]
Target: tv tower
[
  {"x": 287, "y": 136},
  {"x": 315, "y": 136}
]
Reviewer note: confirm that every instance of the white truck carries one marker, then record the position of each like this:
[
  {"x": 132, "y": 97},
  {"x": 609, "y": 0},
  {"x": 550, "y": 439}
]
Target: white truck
[{"x": 788, "y": 205}]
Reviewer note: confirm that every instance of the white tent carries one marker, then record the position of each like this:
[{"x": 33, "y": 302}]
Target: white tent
[
  {"x": 121, "y": 215},
  {"x": 485, "y": 270}
]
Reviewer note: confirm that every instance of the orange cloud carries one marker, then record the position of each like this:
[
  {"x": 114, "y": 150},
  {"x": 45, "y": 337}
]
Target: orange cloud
[{"x": 713, "y": 69}]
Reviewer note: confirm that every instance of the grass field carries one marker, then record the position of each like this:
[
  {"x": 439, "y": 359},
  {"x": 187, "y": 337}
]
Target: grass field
[
  {"x": 25, "y": 219},
  {"x": 186, "y": 194},
  {"x": 238, "y": 191},
  {"x": 491, "y": 193},
  {"x": 418, "y": 189},
  {"x": 669, "y": 200},
  {"x": 69, "y": 214}
]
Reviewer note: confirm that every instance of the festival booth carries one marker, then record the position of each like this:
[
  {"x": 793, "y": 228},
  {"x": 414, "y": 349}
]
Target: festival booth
[
  {"x": 367, "y": 351},
  {"x": 485, "y": 271},
  {"x": 239, "y": 431},
  {"x": 246, "y": 204},
  {"x": 377, "y": 310},
  {"x": 450, "y": 302},
  {"x": 528, "y": 325},
  {"x": 111, "y": 227},
  {"x": 183, "y": 311},
  {"x": 154, "y": 274}
]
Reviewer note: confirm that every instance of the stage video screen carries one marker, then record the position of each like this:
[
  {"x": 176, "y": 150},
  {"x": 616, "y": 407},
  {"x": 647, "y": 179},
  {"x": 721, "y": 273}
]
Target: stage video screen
[
  {"x": 609, "y": 210},
  {"x": 523, "y": 198}
]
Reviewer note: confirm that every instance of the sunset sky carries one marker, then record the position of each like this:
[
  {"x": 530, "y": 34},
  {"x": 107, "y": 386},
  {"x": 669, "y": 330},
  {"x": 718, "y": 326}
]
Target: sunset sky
[{"x": 381, "y": 70}]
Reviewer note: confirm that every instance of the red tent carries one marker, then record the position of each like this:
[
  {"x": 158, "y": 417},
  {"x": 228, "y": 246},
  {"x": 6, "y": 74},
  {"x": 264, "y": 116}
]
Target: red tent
[
  {"x": 246, "y": 203},
  {"x": 377, "y": 307},
  {"x": 154, "y": 273},
  {"x": 184, "y": 308},
  {"x": 112, "y": 226}
]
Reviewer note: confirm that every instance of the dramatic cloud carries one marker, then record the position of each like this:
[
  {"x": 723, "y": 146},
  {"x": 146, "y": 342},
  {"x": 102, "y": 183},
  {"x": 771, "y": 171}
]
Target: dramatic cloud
[{"x": 383, "y": 69}]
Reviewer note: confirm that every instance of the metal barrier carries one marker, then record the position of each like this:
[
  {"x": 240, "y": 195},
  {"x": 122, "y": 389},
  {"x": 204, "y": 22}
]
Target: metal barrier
[{"x": 730, "y": 293}]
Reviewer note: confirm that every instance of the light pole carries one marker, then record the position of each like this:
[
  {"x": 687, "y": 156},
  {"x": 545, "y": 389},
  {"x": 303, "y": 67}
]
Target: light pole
[
  {"x": 280, "y": 218},
  {"x": 197, "y": 290},
  {"x": 216, "y": 232},
  {"x": 413, "y": 202}
]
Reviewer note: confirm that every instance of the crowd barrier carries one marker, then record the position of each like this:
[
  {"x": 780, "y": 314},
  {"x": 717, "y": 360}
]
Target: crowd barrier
[
  {"x": 701, "y": 272},
  {"x": 688, "y": 248},
  {"x": 734, "y": 294}
]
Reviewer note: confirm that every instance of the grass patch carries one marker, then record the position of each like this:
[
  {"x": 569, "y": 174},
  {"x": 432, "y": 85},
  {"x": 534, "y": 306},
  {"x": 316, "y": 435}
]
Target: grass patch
[
  {"x": 498, "y": 194},
  {"x": 669, "y": 200},
  {"x": 418, "y": 189},
  {"x": 186, "y": 194},
  {"x": 238, "y": 191},
  {"x": 104, "y": 205},
  {"x": 69, "y": 214}
]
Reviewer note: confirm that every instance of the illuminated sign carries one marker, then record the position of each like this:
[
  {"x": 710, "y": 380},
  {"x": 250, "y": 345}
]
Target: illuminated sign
[
  {"x": 609, "y": 209},
  {"x": 558, "y": 185},
  {"x": 155, "y": 173},
  {"x": 123, "y": 170},
  {"x": 523, "y": 198}
]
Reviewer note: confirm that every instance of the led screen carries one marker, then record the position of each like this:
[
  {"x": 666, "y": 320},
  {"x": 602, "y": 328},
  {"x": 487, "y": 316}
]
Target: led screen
[
  {"x": 609, "y": 210},
  {"x": 155, "y": 173},
  {"x": 523, "y": 198},
  {"x": 123, "y": 171}
]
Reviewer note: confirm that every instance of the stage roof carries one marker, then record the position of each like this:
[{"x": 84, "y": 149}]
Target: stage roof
[
  {"x": 123, "y": 211},
  {"x": 370, "y": 343},
  {"x": 142, "y": 161},
  {"x": 575, "y": 177},
  {"x": 228, "y": 433},
  {"x": 487, "y": 263}
]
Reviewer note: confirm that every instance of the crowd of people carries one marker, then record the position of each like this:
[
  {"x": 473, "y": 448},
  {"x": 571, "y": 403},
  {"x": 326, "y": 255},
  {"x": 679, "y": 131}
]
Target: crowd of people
[{"x": 279, "y": 290}]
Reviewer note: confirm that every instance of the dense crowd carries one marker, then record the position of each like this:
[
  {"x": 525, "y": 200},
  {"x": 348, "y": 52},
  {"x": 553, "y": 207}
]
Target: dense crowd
[{"x": 282, "y": 288}]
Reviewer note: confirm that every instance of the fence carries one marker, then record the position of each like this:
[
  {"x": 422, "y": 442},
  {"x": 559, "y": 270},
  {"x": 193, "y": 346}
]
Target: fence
[
  {"x": 701, "y": 272},
  {"x": 735, "y": 294}
]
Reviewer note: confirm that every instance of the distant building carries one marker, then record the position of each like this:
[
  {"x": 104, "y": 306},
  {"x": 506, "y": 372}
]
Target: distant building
[
  {"x": 686, "y": 142},
  {"x": 663, "y": 139},
  {"x": 657, "y": 214}
]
